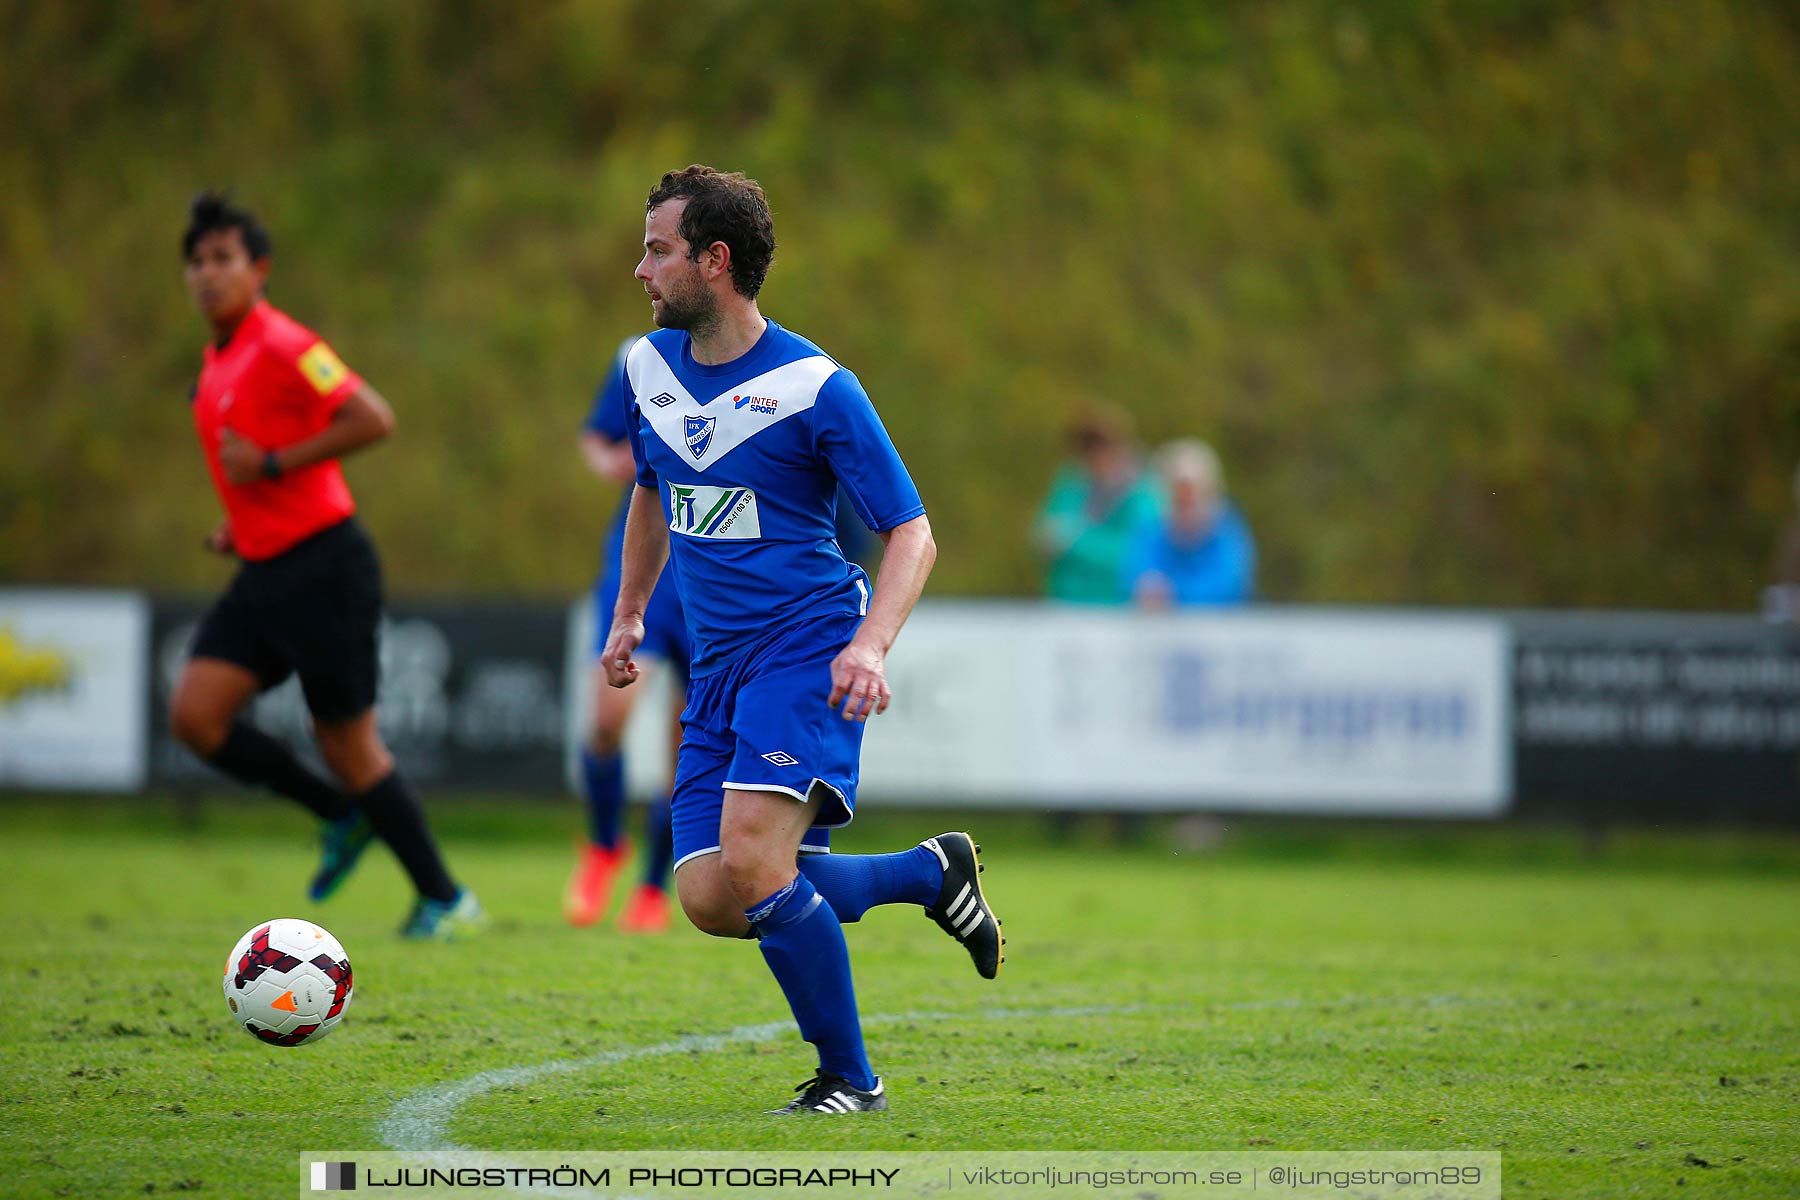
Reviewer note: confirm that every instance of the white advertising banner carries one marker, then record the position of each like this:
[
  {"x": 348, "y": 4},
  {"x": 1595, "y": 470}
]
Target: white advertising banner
[
  {"x": 1301, "y": 711},
  {"x": 73, "y": 689}
]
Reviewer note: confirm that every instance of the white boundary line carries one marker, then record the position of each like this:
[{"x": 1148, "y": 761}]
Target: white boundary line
[
  {"x": 419, "y": 1123},
  {"x": 421, "y": 1120}
]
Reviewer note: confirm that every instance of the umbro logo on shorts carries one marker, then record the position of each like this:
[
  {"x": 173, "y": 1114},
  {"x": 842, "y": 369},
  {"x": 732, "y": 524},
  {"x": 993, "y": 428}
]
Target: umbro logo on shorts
[{"x": 781, "y": 758}]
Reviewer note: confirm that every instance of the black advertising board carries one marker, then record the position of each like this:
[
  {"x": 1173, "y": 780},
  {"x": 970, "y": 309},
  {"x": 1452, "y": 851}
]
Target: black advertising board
[
  {"x": 471, "y": 695},
  {"x": 1657, "y": 716}
]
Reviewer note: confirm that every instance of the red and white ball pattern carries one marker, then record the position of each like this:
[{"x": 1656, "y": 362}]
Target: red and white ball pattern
[{"x": 288, "y": 982}]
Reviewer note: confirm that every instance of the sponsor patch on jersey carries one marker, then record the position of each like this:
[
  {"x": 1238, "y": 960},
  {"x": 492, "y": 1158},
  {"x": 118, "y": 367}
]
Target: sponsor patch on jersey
[
  {"x": 713, "y": 512},
  {"x": 323, "y": 369},
  {"x": 756, "y": 404},
  {"x": 699, "y": 431}
]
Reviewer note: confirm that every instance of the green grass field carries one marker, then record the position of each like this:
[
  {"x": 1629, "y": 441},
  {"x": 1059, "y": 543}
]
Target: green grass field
[{"x": 1622, "y": 1023}]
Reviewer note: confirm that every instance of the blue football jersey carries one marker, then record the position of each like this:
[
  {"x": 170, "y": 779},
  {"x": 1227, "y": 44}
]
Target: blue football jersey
[{"x": 746, "y": 457}]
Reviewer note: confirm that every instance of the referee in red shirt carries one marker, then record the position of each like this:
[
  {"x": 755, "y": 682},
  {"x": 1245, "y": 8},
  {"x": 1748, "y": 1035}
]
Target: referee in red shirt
[{"x": 275, "y": 409}]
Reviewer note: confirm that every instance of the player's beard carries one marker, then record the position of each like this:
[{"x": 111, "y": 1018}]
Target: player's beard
[{"x": 691, "y": 307}]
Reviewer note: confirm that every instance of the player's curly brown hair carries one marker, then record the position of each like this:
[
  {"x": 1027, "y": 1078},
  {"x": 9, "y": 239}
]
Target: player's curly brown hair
[{"x": 723, "y": 206}]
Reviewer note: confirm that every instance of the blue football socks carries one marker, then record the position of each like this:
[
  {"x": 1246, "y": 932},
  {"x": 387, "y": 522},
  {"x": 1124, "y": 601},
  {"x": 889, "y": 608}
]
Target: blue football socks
[
  {"x": 603, "y": 788},
  {"x": 855, "y": 883},
  {"x": 803, "y": 943},
  {"x": 659, "y": 842}
]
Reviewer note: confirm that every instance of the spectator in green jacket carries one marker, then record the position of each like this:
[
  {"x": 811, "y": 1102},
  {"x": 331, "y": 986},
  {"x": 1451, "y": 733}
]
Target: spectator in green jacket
[{"x": 1100, "y": 497}]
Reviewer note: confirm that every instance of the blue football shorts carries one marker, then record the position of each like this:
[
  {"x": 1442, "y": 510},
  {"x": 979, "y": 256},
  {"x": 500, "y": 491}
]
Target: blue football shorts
[{"x": 762, "y": 724}]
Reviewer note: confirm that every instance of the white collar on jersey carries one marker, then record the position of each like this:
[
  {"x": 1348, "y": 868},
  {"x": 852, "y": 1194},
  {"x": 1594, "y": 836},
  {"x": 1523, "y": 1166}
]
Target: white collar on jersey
[{"x": 702, "y": 434}]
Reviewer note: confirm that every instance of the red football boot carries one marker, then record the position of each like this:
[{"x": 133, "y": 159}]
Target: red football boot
[
  {"x": 648, "y": 911},
  {"x": 590, "y": 888}
]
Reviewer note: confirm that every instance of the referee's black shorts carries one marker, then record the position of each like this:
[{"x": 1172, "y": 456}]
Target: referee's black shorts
[{"x": 314, "y": 609}]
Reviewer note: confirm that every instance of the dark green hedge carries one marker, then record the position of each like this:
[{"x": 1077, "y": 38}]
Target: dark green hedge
[{"x": 1489, "y": 302}]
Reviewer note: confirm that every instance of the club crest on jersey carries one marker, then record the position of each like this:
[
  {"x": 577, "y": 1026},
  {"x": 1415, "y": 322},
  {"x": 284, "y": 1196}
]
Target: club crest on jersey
[{"x": 699, "y": 432}]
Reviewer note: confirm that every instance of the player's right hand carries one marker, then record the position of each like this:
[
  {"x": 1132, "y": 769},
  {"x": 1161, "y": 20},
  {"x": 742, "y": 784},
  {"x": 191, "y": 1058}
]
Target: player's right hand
[
  {"x": 627, "y": 634},
  {"x": 219, "y": 540}
]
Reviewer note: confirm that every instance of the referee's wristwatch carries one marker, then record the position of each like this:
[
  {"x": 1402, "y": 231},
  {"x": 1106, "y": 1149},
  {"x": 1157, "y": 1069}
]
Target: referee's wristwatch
[{"x": 271, "y": 467}]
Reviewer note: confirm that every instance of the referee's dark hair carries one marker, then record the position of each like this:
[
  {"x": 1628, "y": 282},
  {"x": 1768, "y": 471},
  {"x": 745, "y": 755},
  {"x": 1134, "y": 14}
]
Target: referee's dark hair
[
  {"x": 724, "y": 207},
  {"x": 212, "y": 211}
]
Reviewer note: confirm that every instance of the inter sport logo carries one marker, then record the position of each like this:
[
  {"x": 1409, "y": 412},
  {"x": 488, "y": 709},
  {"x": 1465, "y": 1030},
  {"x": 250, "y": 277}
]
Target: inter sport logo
[{"x": 713, "y": 512}]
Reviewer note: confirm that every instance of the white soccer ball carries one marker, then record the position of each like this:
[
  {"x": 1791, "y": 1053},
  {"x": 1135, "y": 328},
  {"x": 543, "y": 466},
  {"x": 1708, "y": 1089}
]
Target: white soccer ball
[{"x": 288, "y": 982}]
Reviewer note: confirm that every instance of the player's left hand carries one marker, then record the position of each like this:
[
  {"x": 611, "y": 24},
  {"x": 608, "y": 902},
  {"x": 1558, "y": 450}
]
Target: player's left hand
[
  {"x": 859, "y": 680},
  {"x": 240, "y": 458}
]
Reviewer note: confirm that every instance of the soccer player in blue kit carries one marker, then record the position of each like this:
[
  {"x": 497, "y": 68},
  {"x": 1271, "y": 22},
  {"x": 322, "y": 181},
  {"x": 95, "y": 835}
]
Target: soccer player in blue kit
[{"x": 741, "y": 432}]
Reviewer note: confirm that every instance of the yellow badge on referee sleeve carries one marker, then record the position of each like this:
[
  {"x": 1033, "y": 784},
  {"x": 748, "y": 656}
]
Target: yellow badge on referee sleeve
[{"x": 322, "y": 368}]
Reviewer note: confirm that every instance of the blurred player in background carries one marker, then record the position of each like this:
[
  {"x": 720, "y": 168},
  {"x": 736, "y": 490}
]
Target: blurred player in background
[
  {"x": 608, "y": 455},
  {"x": 741, "y": 432},
  {"x": 275, "y": 409}
]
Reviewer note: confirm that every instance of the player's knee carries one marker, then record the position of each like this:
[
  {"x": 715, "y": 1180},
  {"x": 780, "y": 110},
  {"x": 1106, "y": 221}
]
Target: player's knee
[
  {"x": 715, "y": 916},
  {"x": 355, "y": 755},
  {"x": 606, "y": 738},
  {"x": 198, "y": 726},
  {"x": 752, "y": 875},
  {"x": 706, "y": 900}
]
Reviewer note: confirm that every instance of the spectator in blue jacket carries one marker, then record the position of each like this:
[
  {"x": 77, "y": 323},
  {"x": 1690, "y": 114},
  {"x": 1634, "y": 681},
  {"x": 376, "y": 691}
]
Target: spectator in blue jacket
[{"x": 1200, "y": 552}]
